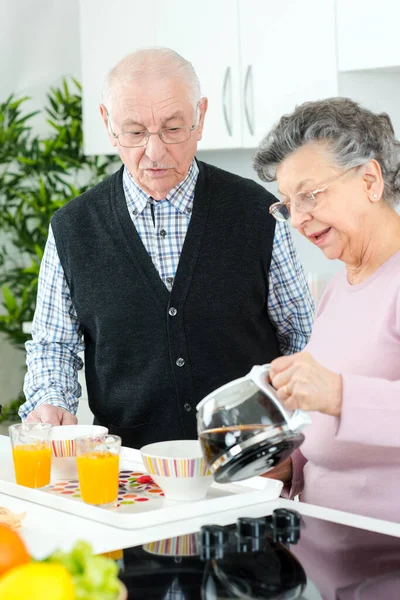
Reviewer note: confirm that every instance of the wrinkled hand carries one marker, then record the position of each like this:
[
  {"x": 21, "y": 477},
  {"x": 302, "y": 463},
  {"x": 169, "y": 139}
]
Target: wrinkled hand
[
  {"x": 47, "y": 413},
  {"x": 301, "y": 382}
]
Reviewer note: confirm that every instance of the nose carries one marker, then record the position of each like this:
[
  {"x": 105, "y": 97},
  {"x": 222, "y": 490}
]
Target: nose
[
  {"x": 155, "y": 149},
  {"x": 297, "y": 218}
]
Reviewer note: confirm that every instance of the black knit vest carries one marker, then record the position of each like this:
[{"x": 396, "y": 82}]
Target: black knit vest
[{"x": 147, "y": 365}]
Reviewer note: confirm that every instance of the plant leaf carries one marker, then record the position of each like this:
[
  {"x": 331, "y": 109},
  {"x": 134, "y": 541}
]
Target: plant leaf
[{"x": 10, "y": 301}]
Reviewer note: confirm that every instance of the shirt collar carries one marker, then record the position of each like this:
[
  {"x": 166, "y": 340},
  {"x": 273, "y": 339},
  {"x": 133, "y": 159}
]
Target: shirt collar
[{"x": 181, "y": 196}]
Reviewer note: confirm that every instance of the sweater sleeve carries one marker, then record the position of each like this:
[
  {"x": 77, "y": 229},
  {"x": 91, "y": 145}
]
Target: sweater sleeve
[{"x": 370, "y": 411}]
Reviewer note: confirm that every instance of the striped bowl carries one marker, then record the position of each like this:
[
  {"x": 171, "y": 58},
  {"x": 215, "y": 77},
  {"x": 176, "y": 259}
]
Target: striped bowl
[
  {"x": 63, "y": 463},
  {"x": 179, "y": 468},
  {"x": 184, "y": 545},
  {"x": 63, "y": 437}
]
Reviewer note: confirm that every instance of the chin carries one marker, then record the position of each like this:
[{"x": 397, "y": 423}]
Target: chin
[
  {"x": 159, "y": 188},
  {"x": 331, "y": 253}
]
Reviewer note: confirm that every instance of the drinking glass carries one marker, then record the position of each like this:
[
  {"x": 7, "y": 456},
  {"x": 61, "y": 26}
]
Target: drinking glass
[
  {"x": 31, "y": 449},
  {"x": 97, "y": 460}
]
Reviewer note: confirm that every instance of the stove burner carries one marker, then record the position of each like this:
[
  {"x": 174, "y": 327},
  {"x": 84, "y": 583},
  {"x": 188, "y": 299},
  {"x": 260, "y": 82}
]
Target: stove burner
[{"x": 248, "y": 560}]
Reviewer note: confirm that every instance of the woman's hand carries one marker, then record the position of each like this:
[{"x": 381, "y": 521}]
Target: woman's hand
[
  {"x": 301, "y": 382},
  {"x": 283, "y": 472}
]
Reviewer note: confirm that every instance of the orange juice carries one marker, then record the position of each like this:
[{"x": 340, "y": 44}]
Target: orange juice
[
  {"x": 32, "y": 464},
  {"x": 98, "y": 474},
  {"x": 115, "y": 554}
]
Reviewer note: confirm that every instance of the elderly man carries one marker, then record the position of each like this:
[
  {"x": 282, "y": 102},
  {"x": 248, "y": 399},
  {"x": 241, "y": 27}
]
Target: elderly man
[{"x": 170, "y": 274}]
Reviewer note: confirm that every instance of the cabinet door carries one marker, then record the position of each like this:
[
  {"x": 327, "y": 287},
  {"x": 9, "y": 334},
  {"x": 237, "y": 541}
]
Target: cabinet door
[
  {"x": 368, "y": 34},
  {"x": 207, "y": 36},
  {"x": 109, "y": 29},
  {"x": 288, "y": 56}
]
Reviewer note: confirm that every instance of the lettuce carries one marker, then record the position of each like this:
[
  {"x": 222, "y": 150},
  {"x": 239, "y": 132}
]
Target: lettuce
[{"x": 95, "y": 577}]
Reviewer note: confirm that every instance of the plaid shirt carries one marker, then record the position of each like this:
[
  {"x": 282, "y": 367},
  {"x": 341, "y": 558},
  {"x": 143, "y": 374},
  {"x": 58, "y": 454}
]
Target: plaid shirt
[{"x": 52, "y": 355}]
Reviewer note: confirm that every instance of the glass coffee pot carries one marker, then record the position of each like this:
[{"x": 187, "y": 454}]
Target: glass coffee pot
[{"x": 244, "y": 429}]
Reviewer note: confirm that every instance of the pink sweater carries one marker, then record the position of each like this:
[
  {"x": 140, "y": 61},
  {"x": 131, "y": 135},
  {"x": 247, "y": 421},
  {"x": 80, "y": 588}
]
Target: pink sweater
[{"x": 352, "y": 462}]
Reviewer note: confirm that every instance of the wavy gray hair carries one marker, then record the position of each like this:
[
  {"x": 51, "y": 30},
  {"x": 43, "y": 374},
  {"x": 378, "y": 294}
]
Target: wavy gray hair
[
  {"x": 152, "y": 62},
  {"x": 353, "y": 134}
]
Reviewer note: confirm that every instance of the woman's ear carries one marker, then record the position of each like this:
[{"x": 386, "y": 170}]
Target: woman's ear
[{"x": 373, "y": 181}]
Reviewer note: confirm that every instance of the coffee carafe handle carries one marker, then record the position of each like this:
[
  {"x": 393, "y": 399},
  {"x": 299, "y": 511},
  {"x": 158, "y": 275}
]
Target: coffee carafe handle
[{"x": 297, "y": 419}]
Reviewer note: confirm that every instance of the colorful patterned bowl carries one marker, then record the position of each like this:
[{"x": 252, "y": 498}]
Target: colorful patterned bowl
[
  {"x": 178, "y": 468},
  {"x": 63, "y": 464}
]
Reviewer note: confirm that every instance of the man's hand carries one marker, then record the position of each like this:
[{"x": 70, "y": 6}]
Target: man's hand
[{"x": 47, "y": 413}]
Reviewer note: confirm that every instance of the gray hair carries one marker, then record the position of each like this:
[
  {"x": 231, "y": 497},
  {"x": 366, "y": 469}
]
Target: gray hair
[
  {"x": 352, "y": 133},
  {"x": 154, "y": 62}
]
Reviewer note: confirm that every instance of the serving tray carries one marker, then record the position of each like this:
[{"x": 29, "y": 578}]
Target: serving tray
[{"x": 141, "y": 502}]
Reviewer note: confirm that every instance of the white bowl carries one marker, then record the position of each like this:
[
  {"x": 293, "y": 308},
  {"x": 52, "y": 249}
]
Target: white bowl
[
  {"x": 63, "y": 463},
  {"x": 179, "y": 468}
]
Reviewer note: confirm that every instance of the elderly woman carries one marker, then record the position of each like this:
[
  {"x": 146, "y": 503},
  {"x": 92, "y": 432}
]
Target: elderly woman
[{"x": 338, "y": 171}]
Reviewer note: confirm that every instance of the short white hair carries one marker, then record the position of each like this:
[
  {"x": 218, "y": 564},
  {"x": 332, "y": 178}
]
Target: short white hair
[{"x": 157, "y": 62}]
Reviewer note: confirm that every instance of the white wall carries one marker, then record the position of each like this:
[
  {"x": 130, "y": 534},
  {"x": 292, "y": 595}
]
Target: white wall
[
  {"x": 39, "y": 44},
  {"x": 11, "y": 370}
]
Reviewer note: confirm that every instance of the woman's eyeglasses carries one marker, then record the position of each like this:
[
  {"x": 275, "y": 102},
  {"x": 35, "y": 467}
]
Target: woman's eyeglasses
[{"x": 303, "y": 202}]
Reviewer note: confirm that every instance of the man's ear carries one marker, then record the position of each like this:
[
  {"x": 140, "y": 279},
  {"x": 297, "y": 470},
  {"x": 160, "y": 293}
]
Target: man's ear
[
  {"x": 105, "y": 117},
  {"x": 203, "y": 105}
]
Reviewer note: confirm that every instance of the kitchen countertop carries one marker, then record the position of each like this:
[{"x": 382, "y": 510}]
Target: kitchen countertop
[{"x": 45, "y": 529}]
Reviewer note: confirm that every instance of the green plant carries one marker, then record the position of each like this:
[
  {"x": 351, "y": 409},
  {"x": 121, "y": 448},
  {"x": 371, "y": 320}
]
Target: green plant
[{"x": 38, "y": 175}]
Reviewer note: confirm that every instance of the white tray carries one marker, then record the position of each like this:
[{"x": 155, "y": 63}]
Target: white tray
[{"x": 140, "y": 514}]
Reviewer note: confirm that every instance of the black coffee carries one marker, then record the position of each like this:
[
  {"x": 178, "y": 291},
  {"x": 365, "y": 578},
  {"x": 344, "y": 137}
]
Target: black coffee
[{"x": 216, "y": 441}]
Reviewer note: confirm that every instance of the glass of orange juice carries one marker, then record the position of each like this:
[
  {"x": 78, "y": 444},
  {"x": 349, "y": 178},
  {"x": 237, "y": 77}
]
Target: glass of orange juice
[
  {"x": 31, "y": 450},
  {"x": 97, "y": 460}
]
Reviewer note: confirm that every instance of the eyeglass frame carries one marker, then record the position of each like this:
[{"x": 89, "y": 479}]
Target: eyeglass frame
[
  {"x": 274, "y": 207},
  {"x": 159, "y": 132}
]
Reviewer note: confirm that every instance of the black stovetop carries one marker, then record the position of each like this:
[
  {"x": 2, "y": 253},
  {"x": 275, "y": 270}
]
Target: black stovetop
[{"x": 281, "y": 556}]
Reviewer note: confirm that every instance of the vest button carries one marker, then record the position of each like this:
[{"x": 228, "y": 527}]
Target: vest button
[
  {"x": 187, "y": 407},
  {"x": 180, "y": 362},
  {"x": 172, "y": 311}
]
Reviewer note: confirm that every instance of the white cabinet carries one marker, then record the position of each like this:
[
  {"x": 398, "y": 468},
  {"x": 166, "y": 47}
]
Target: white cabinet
[
  {"x": 288, "y": 56},
  {"x": 368, "y": 34},
  {"x": 256, "y": 59},
  {"x": 109, "y": 29},
  {"x": 207, "y": 35}
]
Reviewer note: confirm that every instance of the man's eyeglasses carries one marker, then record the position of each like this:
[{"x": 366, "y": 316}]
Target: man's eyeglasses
[
  {"x": 303, "y": 201},
  {"x": 168, "y": 135}
]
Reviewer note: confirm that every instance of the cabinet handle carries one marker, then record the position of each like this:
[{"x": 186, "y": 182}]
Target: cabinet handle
[
  {"x": 249, "y": 80},
  {"x": 227, "y": 80}
]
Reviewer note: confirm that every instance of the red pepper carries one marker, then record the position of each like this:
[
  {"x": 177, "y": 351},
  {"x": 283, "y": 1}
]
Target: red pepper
[{"x": 144, "y": 479}]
